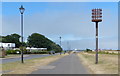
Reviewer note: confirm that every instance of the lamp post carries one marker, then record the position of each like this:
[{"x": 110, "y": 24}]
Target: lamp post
[
  {"x": 96, "y": 17},
  {"x": 68, "y": 45},
  {"x": 22, "y": 11},
  {"x": 60, "y": 45}
]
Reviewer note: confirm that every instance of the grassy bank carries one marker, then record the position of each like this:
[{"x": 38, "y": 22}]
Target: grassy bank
[
  {"x": 29, "y": 65},
  {"x": 108, "y": 64}
]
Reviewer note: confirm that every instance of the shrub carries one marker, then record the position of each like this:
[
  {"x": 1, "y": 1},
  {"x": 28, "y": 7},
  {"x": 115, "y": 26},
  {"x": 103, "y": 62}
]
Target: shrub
[
  {"x": 26, "y": 52},
  {"x": 12, "y": 51},
  {"x": 39, "y": 52},
  {"x": 88, "y": 50},
  {"x": 101, "y": 52},
  {"x": 107, "y": 52}
]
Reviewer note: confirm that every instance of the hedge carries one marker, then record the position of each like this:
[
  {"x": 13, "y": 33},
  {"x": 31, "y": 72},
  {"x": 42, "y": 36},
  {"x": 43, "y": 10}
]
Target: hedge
[{"x": 26, "y": 52}]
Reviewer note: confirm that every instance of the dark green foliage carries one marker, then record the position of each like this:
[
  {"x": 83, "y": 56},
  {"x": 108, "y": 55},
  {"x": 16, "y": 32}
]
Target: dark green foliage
[
  {"x": 12, "y": 51},
  {"x": 13, "y": 38},
  {"x": 26, "y": 52},
  {"x": 24, "y": 44},
  {"x": 38, "y": 52},
  {"x": 35, "y": 40},
  {"x": 1, "y": 38},
  {"x": 39, "y": 41},
  {"x": 88, "y": 50}
]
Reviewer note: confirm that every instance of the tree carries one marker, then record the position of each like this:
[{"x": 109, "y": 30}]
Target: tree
[
  {"x": 40, "y": 41},
  {"x": 13, "y": 38},
  {"x": 2, "y": 38}
]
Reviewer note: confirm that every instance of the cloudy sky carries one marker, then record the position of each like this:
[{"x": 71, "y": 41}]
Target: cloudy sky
[{"x": 70, "y": 20}]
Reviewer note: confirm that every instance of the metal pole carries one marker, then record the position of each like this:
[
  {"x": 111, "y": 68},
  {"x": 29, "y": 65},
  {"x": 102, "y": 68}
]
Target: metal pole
[
  {"x": 60, "y": 41},
  {"x": 22, "y": 38},
  {"x": 68, "y": 45},
  {"x": 60, "y": 45},
  {"x": 96, "y": 43}
]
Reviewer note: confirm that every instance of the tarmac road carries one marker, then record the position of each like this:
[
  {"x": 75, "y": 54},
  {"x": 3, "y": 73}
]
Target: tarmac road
[
  {"x": 7, "y": 60},
  {"x": 67, "y": 65}
]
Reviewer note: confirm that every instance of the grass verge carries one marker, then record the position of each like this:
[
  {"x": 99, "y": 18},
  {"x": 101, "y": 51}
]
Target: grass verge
[
  {"x": 12, "y": 56},
  {"x": 108, "y": 64},
  {"x": 29, "y": 65}
]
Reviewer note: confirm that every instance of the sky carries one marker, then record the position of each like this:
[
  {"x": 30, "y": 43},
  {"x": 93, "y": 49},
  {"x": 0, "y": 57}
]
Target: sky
[
  {"x": 60, "y": 0},
  {"x": 70, "y": 20}
]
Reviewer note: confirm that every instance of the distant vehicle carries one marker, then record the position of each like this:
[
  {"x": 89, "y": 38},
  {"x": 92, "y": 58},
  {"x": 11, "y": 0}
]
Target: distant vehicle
[{"x": 51, "y": 52}]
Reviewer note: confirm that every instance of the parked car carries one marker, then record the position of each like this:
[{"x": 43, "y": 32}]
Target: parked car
[{"x": 51, "y": 52}]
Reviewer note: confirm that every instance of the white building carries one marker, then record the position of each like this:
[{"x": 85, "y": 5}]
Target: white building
[
  {"x": 32, "y": 48},
  {"x": 7, "y": 45}
]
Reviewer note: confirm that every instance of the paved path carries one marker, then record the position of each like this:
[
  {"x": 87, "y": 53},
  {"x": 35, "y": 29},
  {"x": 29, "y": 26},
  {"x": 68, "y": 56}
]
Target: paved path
[{"x": 67, "y": 65}]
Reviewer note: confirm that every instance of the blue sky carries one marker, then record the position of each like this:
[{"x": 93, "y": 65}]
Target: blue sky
[{"x": 70, "y": 20}]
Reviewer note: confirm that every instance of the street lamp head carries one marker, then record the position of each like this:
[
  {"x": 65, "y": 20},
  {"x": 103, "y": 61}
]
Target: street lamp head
[
  {"x": 96, "y": 15},
  {"x": 22, "y": 9}
]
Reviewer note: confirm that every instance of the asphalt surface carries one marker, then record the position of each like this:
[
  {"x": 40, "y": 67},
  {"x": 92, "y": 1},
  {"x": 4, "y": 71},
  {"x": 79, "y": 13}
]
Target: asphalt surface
[
  {"x": 67, "y": 65},
  {"x": 7, "y": 60}
]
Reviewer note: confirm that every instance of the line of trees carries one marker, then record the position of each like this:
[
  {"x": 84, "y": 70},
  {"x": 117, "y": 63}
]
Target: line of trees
[
  {"x": 34, "y": 40},
  {"x": 13, "y": 38}
]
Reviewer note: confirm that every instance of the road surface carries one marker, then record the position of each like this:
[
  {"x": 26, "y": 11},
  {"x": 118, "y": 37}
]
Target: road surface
[
  {"x": 67, "y": 65},
  {"x": 7, "y": 60}
]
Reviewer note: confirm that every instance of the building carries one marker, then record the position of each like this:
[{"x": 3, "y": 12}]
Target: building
[
  {"x": 7, "y": 46},
  {"x": 37, "y": 49}
]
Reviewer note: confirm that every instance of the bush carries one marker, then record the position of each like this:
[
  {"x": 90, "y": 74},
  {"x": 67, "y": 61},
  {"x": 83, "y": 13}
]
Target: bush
[
  {"x": 12, "y": 51},
  {"x": 39, "y": 52},
  {"x": 107, "y": 52},
  {"x": 88, "y": 50},
  {"x": 26, "y": 52},
  {"x": 101, "y": 52}
]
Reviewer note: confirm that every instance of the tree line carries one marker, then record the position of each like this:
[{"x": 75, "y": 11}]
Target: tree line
[{"x": 35, "y": 40}]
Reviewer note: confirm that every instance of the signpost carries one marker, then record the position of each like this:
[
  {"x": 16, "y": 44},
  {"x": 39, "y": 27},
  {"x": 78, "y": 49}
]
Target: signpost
[{"x": 96, "y": 17}]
